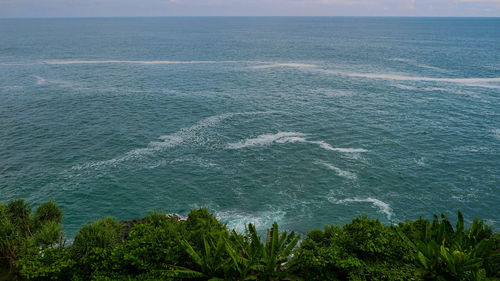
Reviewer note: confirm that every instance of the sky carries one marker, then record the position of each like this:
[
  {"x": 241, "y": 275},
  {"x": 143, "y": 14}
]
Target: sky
[{"x": 124, "y": 8}]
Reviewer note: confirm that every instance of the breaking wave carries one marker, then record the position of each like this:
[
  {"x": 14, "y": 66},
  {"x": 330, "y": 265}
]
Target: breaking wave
[
  {"x": 238, "y": 220},
  {"x": 382, "y": 207}
]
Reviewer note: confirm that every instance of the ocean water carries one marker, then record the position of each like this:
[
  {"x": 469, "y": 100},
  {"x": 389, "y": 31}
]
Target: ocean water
[{"x": 303, "y": 121}]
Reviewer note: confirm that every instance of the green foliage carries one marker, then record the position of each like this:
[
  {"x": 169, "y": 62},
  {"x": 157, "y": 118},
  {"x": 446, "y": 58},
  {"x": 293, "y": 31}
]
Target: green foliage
[
  {"x": 47, "y": 212},
  {"x": 161, "y": 247},
  {"x": 212, "y": 262},
  {"x": 241, "y": 257},
  {"x": 362, "y": 250},
  {"x": 21, "y": 232},
  {"x": 101, "y": 236},
  {"x": 444, "y": 253},
  {"x": 276, "y": 253},
  {"x": 46, "y": 264},
  {"x": 200, "y": 223}
]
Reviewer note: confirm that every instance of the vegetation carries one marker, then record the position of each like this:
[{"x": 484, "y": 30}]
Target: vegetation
[{"x": 162, "y": 247}]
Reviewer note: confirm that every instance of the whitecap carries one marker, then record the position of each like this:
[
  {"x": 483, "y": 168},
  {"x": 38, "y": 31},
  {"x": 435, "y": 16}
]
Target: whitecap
[
  {"x": 40, "y": 80},
  {"x": 238, "y": 220},
  {"x": 288, "y": 137},
  {"x": 420, "y": 162},
  {"x": 266, "y": 139},
  {"x": 496, "y": 133},
  {"x": 340, "y": 172},
  {"x": 382, "y": 207}
]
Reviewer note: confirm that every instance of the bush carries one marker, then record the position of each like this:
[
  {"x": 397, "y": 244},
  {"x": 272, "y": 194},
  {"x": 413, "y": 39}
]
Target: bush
[
  {"x": 444, "y": 253},
  {"x": 160, "y": 247},
  {"x": 98, "y": 238},
  {"x": 362, "y": 250}
]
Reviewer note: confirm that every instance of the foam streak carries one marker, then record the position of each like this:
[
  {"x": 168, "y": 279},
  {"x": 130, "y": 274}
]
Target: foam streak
[
  {"x": 168, "y": 141},
  {"x": 340, "y": 172},
  {"x": 382, "y": 206},
  {"x": 288, "y": 137}
]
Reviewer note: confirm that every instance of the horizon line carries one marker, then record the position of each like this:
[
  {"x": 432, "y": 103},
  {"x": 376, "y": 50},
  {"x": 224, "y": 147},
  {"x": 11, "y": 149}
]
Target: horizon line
[{"x": 240, "y": 16}]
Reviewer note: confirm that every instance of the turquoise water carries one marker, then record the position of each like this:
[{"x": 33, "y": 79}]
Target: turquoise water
[{"x": 304, "y": 121}]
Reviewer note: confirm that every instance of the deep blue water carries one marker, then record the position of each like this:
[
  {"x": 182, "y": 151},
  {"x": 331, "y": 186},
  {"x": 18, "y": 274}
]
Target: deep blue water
[{"x": 304, "y": 121}]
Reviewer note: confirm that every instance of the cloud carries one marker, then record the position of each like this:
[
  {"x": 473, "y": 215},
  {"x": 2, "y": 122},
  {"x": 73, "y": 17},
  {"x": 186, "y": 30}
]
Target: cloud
[{"x": 480, "y": 1}]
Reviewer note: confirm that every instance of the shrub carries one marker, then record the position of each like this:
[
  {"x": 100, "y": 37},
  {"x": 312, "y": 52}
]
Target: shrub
[
  {"x": 101, "y": 236},
  {"x": 46, "y": 264},
  {"x": 362, "y": 250},
  {"x": 444, "y": 253},
  {"x": 160, "y": 247}
]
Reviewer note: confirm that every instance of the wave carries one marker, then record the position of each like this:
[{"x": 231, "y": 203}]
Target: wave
[
  {"x": 168, "y": 141},
  {"x": 288, "y": 137},
  {"x": 340, "y": 172},
  {"x": 382, "y": 207},
  {"x": 239, "y": 221}
]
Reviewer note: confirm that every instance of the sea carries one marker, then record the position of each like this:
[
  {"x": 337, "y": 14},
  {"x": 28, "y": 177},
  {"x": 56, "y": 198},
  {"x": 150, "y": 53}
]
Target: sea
[{"x": 304, "y": 121}]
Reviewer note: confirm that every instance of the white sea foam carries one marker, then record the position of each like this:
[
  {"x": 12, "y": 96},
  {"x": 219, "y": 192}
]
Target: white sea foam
[
  {"x": 382, "y": 207},
  {"x": 288, "y": 137},
  {"x": 64, "y": 62},
  {"x": 238, "y": 220},
  {"x": 451, "y": 90},
  {"x": 340, "y": 172},
  {"x": 326, "y": 146},
  {"x": 40, "y": 80},
  {"x": 292, "y": 65},
  {"x": 282, "y": 137},
  {"x": 496, "y": 133},
  {"x": 421, "y": 65},
  {"x": 420, "y": 162},
  {"x": 13, "y": 87},
  {"x": 168, "y": 141},
  {"x": 478, "y": 82},
  {"x": 61, "y": 83},
  {"x": 398, "y": 77},
  {"x": 405, "y": 87},
  {"x": 330, "y": 92}
]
